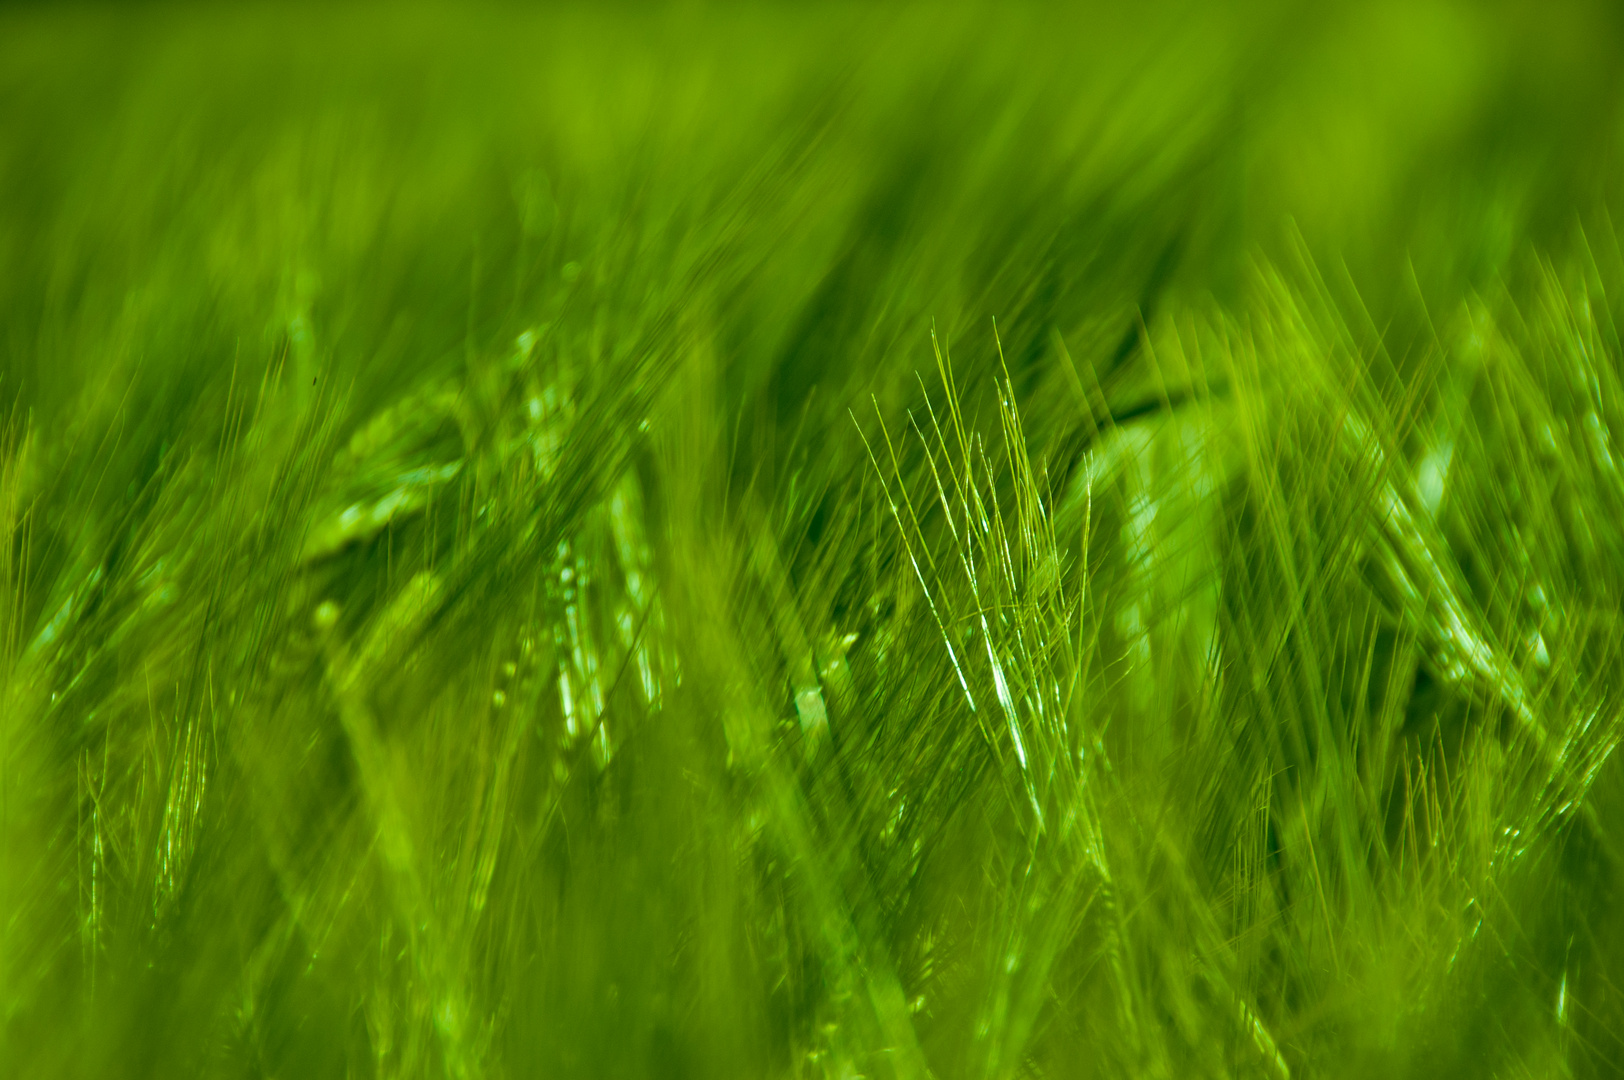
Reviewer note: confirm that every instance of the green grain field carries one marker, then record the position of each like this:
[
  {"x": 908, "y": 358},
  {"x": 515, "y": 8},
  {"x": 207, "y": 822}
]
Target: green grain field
[{"x": 778, "y": 540}]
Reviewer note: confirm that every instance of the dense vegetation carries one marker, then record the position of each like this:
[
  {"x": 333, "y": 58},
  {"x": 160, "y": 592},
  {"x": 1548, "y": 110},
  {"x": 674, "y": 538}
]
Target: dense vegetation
[{"x": 812, "y": 541}]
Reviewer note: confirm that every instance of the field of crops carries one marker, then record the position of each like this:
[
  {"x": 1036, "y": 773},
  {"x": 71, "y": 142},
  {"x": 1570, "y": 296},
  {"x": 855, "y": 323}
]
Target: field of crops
[{"x": 792, "y": 540}]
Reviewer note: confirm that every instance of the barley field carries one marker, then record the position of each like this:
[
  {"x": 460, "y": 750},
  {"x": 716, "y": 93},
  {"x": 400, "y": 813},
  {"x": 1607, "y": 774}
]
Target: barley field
[{"x": 767, "y": 540}]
